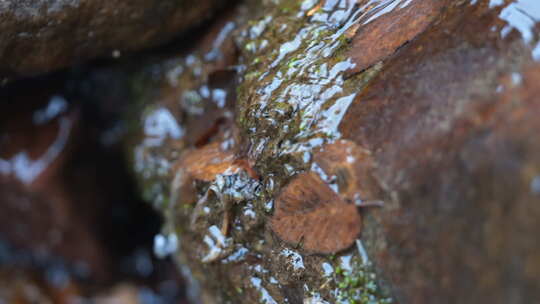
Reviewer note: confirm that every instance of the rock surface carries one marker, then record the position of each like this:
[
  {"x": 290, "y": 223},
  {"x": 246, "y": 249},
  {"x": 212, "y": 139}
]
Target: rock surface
[
  {"x": 44, "y": 35},
  {"x": 450, "y": 122},
  {"x": 380, "y": 34},
  {"x": 444, "y": 115}
]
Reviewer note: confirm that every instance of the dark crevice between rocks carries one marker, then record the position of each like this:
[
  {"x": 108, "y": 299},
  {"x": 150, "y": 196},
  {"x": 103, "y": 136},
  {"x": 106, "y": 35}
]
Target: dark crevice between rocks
[{"x": 85, "y": 196}]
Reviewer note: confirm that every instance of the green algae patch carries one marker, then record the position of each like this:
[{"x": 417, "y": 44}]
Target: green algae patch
[
  {"x": 358, "y": 286},
  {"x": 347, "y": 279}
]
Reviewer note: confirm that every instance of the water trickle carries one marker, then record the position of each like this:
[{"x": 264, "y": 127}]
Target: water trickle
[
  {"x": 382, "y": 7},
  {"x": 315, "y": 300},
  {"x": 536, "y": 52},
  {"x": 215, "y": 53},
  {"x": 362, "y": 251},
  {"x": 521, "y": 15},
  {"x": 517, "y": 79},
  {"x": 26, "y": 168},
  {"x": 328, "y": 270},
  {"x": 346, "y": 262},
  {"x": 265, "y": 295},
  {"x": 165, "y": 245},
  {"x": 535, "y": 185},
  {"x": 217, "y": 244},
  {"x": 236, "y": 256},
  {"x": 159, "y": 125},
  {"x": 298, "y": 100},
  {"x": 494, "y": 3},
  {"x": 294, "y": 258},
  {"x": 57, "y": 106}
]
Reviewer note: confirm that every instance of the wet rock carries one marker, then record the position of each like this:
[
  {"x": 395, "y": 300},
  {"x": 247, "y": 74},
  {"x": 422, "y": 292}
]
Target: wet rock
[
  {"x": 438, "y": 123},
  {"x": 389, "y": 26},
  {"x": 450, "y": 122},
  {"x": 228, "y": 250},
  {"x": 44, "y": 35}
]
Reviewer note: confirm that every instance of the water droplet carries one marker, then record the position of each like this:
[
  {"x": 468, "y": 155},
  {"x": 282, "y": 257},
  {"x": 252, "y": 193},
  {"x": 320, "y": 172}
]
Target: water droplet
[
  {"x": 535, "y": 185},
  {"x": 165, "y": 245},
  {"x": 328, "y": 270},
  {"x": 116, "y": 54},
  {"x": 294, "y": 258},
  {"x": 57, "y": 105}
]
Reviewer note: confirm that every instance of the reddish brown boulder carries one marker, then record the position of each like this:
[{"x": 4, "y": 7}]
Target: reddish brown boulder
[
  {"x": 452, "y": 124},
  {"x": 40, "y": 36},
  {"x": 379, "y": 35}
]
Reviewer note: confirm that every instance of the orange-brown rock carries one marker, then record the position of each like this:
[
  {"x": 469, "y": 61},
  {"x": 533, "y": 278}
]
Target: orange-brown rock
[
  {"x": 310, "y": 214},
  {"x": 381, "y": 36},
  {"x": 452, "y": 120}
]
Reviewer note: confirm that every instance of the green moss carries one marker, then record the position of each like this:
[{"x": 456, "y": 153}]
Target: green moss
[{"x": 358, "y": 286}]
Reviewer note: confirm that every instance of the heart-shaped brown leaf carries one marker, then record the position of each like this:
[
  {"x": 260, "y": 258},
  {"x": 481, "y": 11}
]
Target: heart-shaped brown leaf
[{"x": 309, "y": 213}]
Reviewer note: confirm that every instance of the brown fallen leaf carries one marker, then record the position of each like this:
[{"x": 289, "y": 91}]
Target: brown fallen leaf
[
  {"x": 351, "y": 166},
  {"x": 204, "y": 164},
  {"x": 382, "y": 36},
  {"x": 207, "y": 162},
  {"x": 309, "y": 213}
]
